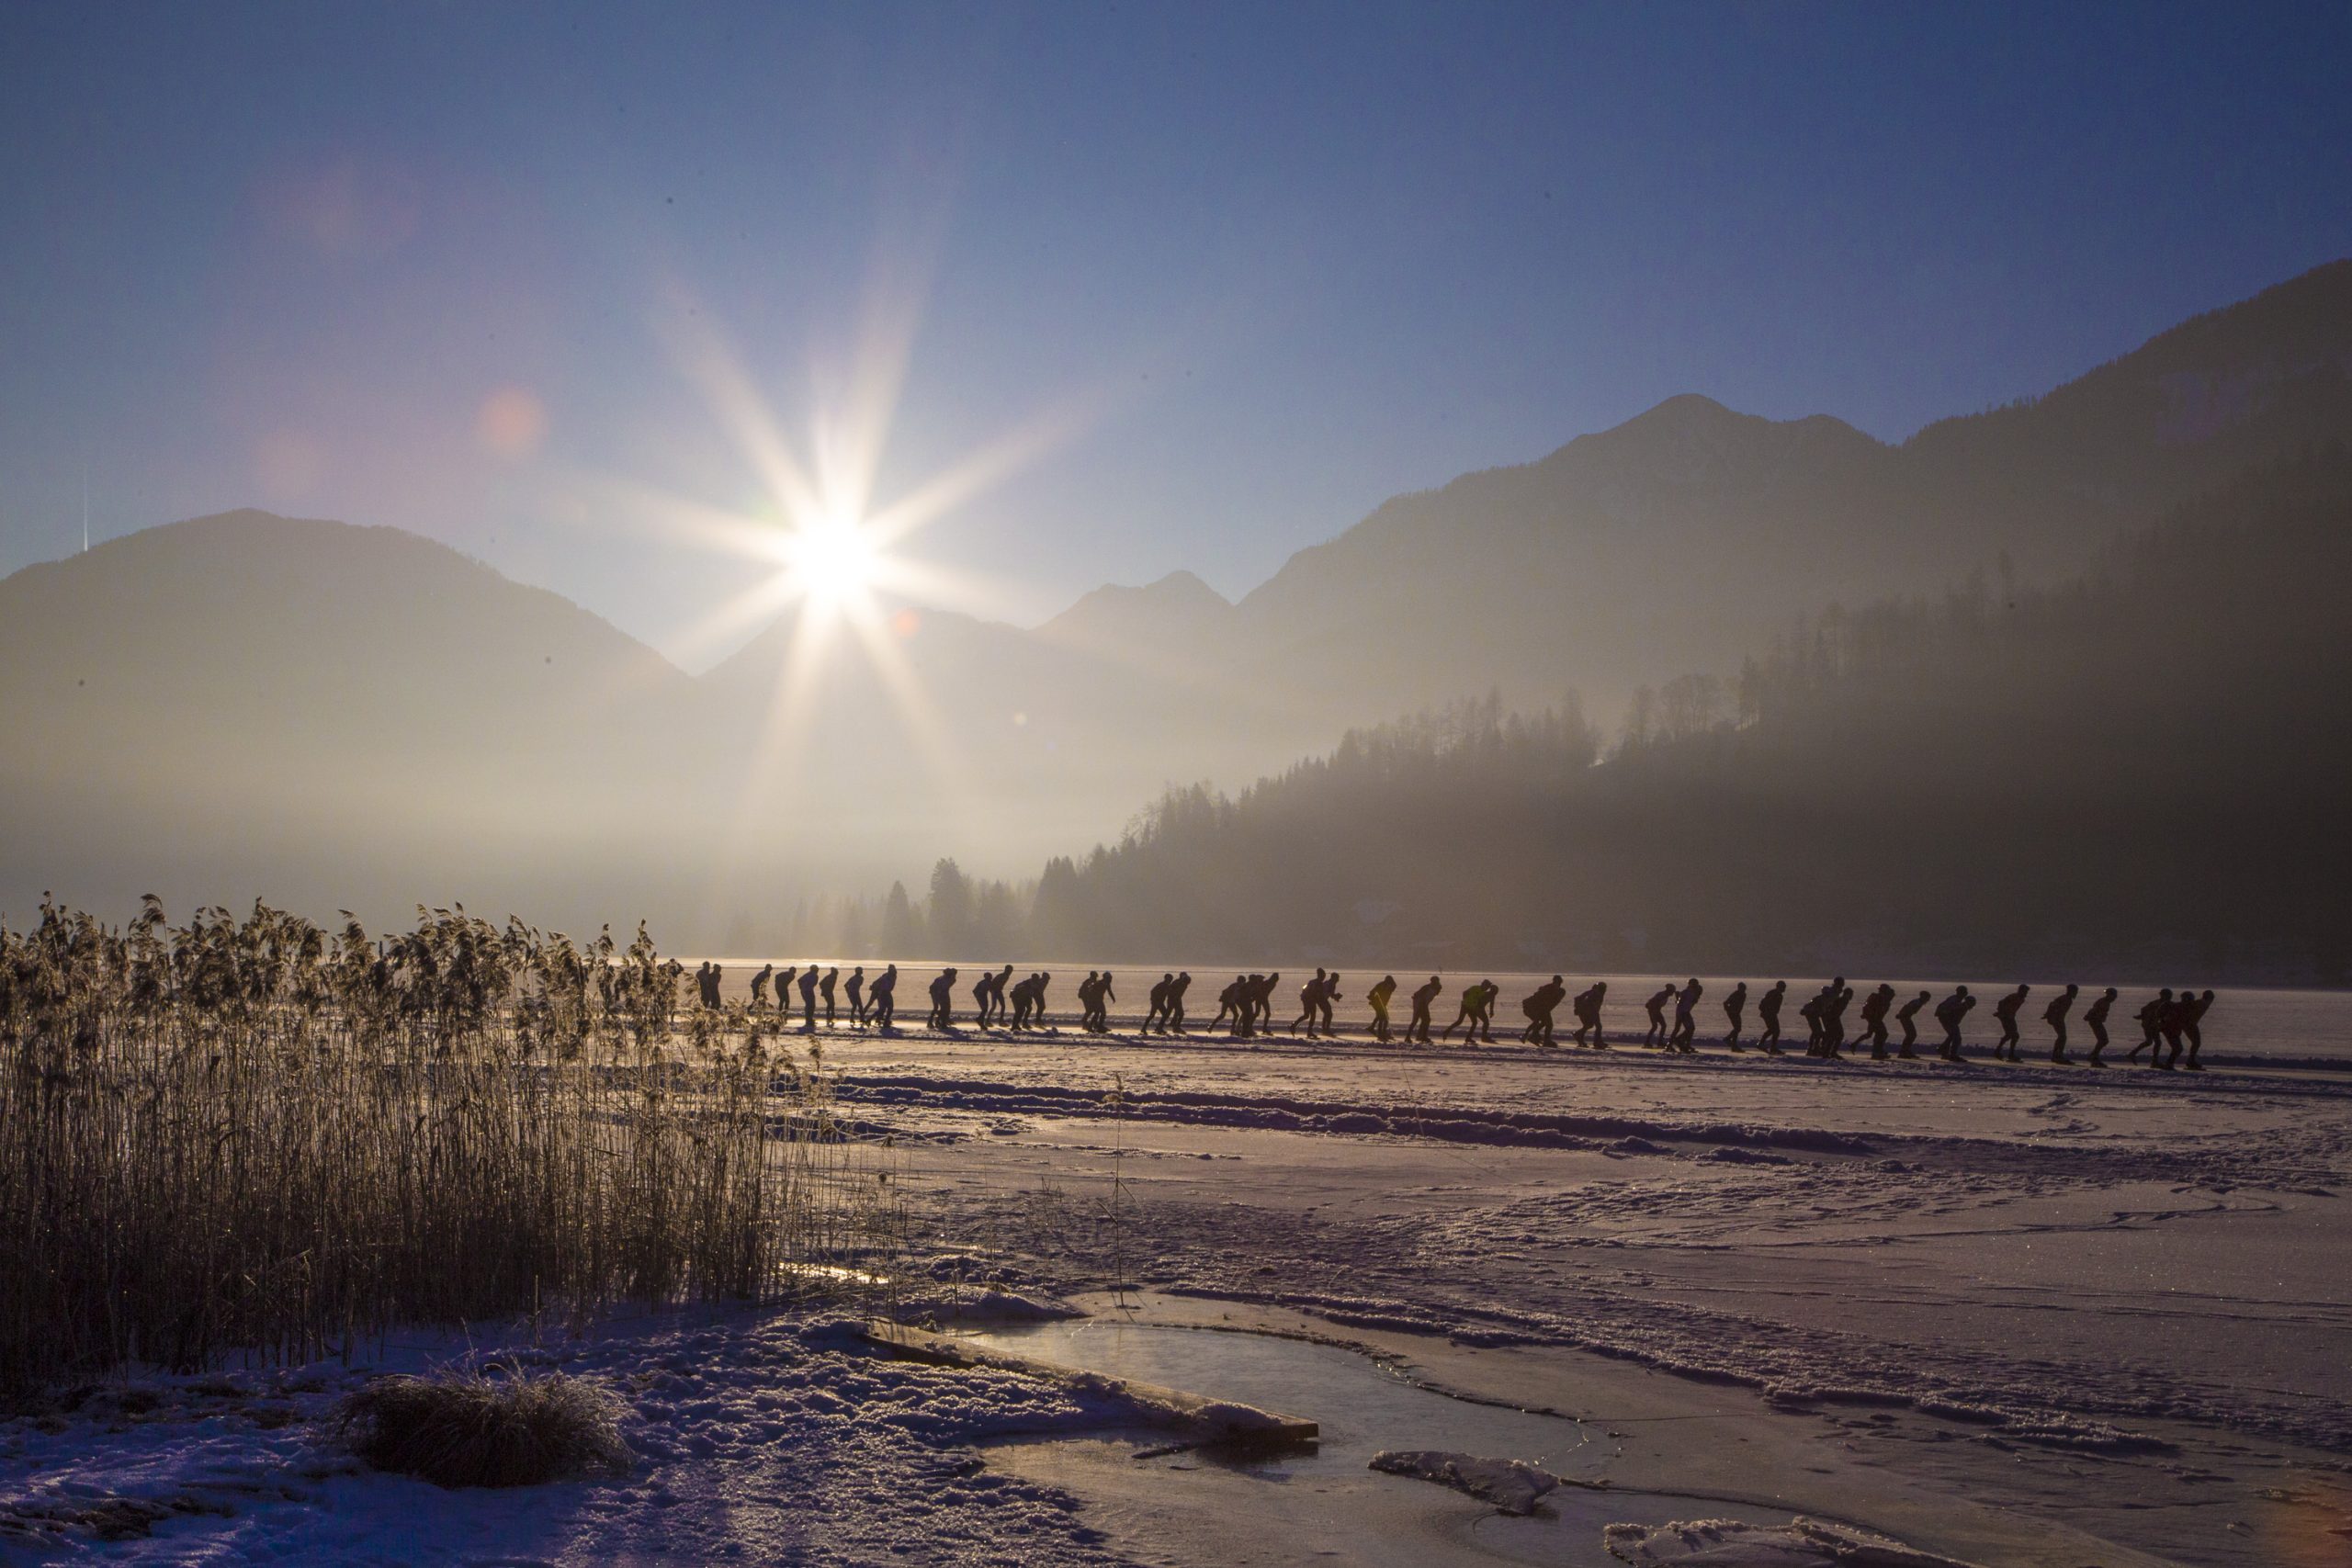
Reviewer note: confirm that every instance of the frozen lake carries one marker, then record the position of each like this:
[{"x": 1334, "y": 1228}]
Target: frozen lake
[{"x": 2028, "y": 1315}]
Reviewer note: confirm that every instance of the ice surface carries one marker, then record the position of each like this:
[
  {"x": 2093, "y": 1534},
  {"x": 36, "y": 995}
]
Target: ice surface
[
  {"x": 1801, "y": 1543},
  {"x": 1510, "y": 1485},
  {"x": 2107, "y": 1301}
]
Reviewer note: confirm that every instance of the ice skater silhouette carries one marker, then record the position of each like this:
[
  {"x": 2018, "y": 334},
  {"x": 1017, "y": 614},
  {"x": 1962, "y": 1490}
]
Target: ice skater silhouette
[
  {"x": 2004, "y": 1013},
  {"x": 1229, "y": 1003},
  {"x": 1539, "y": 1008},
  {"x": 1029, "y": 1002},
  {"x": 1095, "y": 998},
  {"x": 1587, "y": 1008},
  {"x": 1683, "y": 1037},
  {"x": 1767, "y": 1018},
  {"x": 1261, "y": 1000},
  {"x": 2094, "y": 1020},
  {"x": 1656, "y": 1007},
  {"x": 2172, "y": 1019},
  {"x": 1310, "y": 1003},
  {"x": 1424, "y": 998},
  {"x": 2150, "y": 1018},
  {"x": 1833, "y": 1016},
  {"x": 1908, "y": 1017},
  {"x": 1382, "y": 989},
  {"x": 1950, "y": 1012},
  {"x": 1482, "y": 1014},
  {"x": 2055, "y": 1015},
  {"x": 2192, "y": 1019},
  {"x": 1466, "y": 1011},
  {"x": 1874, "y": 1008},
  {"x": 942, "y": 1001}
]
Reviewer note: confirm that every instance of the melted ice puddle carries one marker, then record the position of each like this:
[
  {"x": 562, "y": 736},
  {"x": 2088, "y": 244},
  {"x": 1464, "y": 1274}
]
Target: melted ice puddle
[{"x": 1322, "y": 1503}]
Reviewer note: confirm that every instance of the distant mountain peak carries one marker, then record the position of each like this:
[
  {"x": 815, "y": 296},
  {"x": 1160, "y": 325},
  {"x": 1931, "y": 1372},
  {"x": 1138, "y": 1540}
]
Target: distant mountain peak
[
  {"x": 1694, "y": 415},
  {"x": 1685, "y": 408},
  {"x": 1179, "y": 597},
  {"x": 1179, "y": 588},
  {"x": 1692, "y": 440},
  {"x": 219, "y": 539},
  {"x": 309, "y": 591}
]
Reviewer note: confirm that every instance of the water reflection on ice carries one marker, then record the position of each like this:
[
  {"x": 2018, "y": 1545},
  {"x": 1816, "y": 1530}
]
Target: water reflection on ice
[{"x": 1323, "y": 1501}]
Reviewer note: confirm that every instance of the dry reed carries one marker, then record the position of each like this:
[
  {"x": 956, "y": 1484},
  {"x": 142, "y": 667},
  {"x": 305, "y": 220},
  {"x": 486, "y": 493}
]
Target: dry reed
[{"x": 258, "y": 1138}]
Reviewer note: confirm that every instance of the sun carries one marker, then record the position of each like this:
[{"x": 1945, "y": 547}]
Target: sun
[
  {"x": 835, "y": 558},
  {"x": 833, "y": 574}
]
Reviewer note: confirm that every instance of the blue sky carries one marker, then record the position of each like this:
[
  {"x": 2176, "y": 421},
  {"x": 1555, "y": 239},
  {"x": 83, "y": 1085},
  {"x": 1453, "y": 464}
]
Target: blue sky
[{"x": 1259, "y": 267}]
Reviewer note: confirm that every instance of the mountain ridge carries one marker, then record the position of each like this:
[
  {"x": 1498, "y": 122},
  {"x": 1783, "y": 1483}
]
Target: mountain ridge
[{"x": 339, "y": 676}]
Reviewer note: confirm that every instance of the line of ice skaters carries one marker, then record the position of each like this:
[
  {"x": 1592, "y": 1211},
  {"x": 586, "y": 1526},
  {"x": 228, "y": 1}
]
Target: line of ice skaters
[
  {"x": 2167, "y": 1022},
  {"x": 1001, "y": 1002}
]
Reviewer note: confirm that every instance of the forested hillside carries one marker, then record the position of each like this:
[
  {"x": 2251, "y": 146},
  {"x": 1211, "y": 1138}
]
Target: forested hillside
[{"x": 2141, "y": 768}]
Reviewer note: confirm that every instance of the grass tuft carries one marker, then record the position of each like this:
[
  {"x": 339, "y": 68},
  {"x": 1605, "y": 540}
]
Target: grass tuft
[{"x": 462, "y": 1427}]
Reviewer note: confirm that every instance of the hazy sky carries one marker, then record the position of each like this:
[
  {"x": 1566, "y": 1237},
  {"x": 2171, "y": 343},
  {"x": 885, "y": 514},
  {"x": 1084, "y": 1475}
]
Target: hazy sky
[{"x": 1256, "y": 268}]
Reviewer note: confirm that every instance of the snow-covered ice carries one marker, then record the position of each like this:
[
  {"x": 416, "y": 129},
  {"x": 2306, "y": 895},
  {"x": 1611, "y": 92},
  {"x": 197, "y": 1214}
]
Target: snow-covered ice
[
  {"x": 2031, "y": 1315},
  {"x": 1512, "y": 1485},
  {"x": 2108, "y": 1306}
]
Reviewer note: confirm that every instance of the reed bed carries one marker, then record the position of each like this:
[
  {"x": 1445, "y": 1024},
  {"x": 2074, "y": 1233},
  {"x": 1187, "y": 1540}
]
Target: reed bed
[{"x": 256, "y": 1137}]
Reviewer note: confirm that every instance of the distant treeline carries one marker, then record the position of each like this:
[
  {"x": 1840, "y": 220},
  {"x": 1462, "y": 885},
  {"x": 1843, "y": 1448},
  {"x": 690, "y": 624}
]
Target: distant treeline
[{"x": 2134, "y": 770}]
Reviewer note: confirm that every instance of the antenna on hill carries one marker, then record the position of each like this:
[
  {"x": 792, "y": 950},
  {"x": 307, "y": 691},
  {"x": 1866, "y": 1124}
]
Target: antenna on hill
[{"x": 85, "y": 506}]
